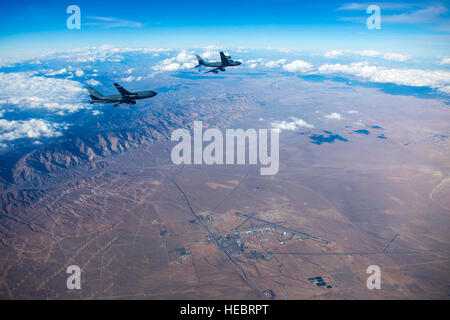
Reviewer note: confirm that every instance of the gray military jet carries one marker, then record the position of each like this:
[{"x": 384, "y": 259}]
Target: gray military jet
[
  {"x": 218, "y": 66},
  {"x": 124, "y": 97}
]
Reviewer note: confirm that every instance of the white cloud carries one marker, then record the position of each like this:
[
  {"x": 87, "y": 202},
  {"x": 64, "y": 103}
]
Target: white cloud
[
  {"x": 27, "y": 91},
  {"x": 259, "y": 60},
  {"x": 103, "y": 53},
  {"x": 131, "y": 79},
  {"x": 359, "y": 123},
  {"x": 184, "y": 60},
  {"x": 210, "y": 55},
  {"x": 33, "y": 129},
  {"x": 339, "y": 53},
  {"x": 79, "y": 73},
  {"x": 298, "y": 66},
  {"x": 333, "y": 53},
  {"x": 93, "y": 82},
  {"x": 333, "y": 116},
  {"x": 353, "y": 112},
  {"x": 368, "y": 53},
  {"x": 445, "y": 61},
  {"x": 253, "y": 63},
  {"x": 358, "y": 68},
  {"x": 173, "y": 66},
  {"x": 396, "y": 56},
  {"x": 445, "y": 90},
  {"x": 437, "y": 79},
  {"x": 275, "y": 63},
  {"x": 57, "y": 72},
  {"x": 286, "y": 50},
  {"x": 292, "y": 125}
]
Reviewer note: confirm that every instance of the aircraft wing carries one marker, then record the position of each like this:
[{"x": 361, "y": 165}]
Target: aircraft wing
[
  {"x": 213, "y": 70},
  {"x": 122, "y": 90},
  {"x": 223, "y": 58}
]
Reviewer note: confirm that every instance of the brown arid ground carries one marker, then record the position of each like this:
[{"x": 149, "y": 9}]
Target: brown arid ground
[{"x": 143, "y": 228}]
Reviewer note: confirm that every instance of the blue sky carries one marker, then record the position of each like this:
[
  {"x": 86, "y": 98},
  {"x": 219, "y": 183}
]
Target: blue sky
[{"x": 414, "y": 28}]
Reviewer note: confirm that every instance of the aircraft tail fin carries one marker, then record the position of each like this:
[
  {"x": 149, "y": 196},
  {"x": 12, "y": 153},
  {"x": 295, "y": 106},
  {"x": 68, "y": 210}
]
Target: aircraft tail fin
[
  {"x": 223, "y": 58},
  {"x": 95, "y": 95},
  {"x": 201, "y": 62}
]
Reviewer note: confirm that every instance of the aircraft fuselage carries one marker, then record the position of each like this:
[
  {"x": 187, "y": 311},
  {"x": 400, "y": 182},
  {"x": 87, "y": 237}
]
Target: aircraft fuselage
[{"x": 124, "y": 99}]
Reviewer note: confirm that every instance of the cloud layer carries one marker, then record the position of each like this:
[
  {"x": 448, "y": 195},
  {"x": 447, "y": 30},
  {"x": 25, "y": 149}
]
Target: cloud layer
[
  {"x": 184, "y": 60},
  {"x": 27, "y": 91},
  {"x": 366, "y": 53},
  {"x": 437, "y": 79},
  {"x": 298, "y": 66},
  {"x": 33, "y": 128}
]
